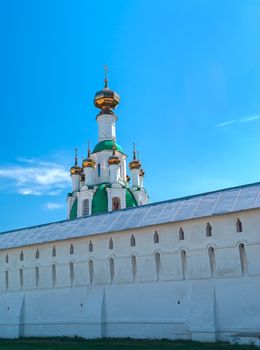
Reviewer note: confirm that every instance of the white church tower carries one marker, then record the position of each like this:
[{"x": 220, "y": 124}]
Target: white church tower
[{"x": 102, "y": 184}]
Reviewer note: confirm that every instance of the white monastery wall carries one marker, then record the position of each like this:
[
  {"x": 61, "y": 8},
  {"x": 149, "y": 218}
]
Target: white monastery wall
[{"x": 138, "y": 288}]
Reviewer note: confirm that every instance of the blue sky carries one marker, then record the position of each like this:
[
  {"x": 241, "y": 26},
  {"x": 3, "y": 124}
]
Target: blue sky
[{"x": 188, "y": 73}]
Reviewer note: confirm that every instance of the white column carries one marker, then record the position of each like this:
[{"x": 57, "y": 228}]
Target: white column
[
  {"x": 106, "y": 127},
  {"x": 135, "y": 177},
  {"x": 89, "y": 176},
  {"x": 75, "y": 178},
  {"x": 114, "y": 173}
]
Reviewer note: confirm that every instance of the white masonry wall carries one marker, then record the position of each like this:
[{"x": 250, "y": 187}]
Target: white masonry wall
[{"x": 142, "y": 291}]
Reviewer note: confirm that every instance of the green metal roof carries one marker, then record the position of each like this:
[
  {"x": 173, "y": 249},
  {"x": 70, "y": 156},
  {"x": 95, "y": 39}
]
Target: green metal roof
[
  {"x": 100, "y": 201},
  {"x": 107, "y": 145},
  {"x": 130, "y": 199},
  {"x": 74, "y": 209}
]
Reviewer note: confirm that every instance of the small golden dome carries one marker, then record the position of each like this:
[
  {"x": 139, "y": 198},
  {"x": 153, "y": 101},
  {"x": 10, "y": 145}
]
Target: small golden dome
[
  {"x": 88, "y": 162},
  {"x": 106, "y": 99},
  {"x": 113, "y": 160},
  {"x": 142, "y": 172},
  {"x": 135, "y": 163},
  {"x": 76, "y": 169}
]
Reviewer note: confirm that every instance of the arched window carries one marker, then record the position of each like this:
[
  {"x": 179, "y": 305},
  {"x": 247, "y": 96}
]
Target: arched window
[
  {"x": 212, "y": 261},
  {"x": 116, "y": 203},
  {"x": 184, "y": 264},
  {"x": 53, "y": 275},
  {"x": 6, "y": 280},
  {"x": 85, "y": 207},
  {"x": 111, "y": 244},
  {"x": 239, "y": 225},
  {"x": 21, "y": 278},
  {"x": 71, "y": 273},
  {"x": 71, "y": 249},
  {"x": 37, "y": 254},
  {"x": 156, "y": 237},
  {"x": 90, "y": 246},
  {"x": 134, "y": 267},
  {"x": 158, "y": 265},
  {"x": 243, "y": 259},
  {"x": 99, "y": 170},
  {"x": 37, "y": 276},
  {"x": 112, "y": 269},
  {"x": 7, "y": 258},
  {"x": 132, "y": 241},
  {"x": 91, "y": 271},
  {"x": 208, "y": 230},
  {"x": 181, "y": 234},
  {"x": 53, "y": 251},
  {"x": 21, "y": 256}
]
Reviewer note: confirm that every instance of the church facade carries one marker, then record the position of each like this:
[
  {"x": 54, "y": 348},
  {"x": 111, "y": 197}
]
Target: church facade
[{"x": 187, "y": 268}]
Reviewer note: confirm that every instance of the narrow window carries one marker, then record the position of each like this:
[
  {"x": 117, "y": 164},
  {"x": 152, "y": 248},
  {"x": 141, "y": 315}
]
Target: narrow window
[
  {"x": 53, "y": 275},
  {"x": 239, "y": 225},
  {"x": 90, "y": 246},
  {"x": 7, "y": 258},
  {"x": 99, "y": 170},
  {"x": 181, "y": 234},
  {"x": 243, "y": 259},
  {"x": 156, "y": 237},
  {"x": 71, "y": 273},
  {"x": 112, "y": 269},
  {"x": 111, "y": 244},
  {"x": 184, "y": 264},
  {"x": 212, "y": 261},
  {"x": 53, "y": 251},
  {"x": 208, "y": 230},
  {"x": 37, "y": 254},
  {"x": 21, "y": 256},
  {"x": 134, "y": 267},
  {"x": 37, "y": 276},
  {"x": 91, "y": 271},
  {"x": 71, "y": 249},
  {"x": 116, "y": 203},
  {"x": 85, "y": 207},
  {"x": 6, "y": 280},
  {"x": 132, "y": 241},
  {"x": 158, "y": 265},
  {"x": 21, "y": 278}
]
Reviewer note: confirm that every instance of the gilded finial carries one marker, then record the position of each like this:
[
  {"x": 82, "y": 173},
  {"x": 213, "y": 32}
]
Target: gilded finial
[
  {"x": 106, "y": 78},
  {"x": 134, "y": 151},
  {"x": 76, "y": 156}
]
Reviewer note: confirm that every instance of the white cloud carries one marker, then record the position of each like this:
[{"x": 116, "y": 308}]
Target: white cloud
[
  {"x": 227, "y": 123},
  {"x": 35, "y": 177},
  {"x": 249, "y": 119},
  {"x": 241, "y": 120},
  {"x": 53, "y": 206}
]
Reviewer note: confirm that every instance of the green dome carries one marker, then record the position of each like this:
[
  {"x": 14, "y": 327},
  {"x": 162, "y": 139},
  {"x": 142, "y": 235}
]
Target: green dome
[
  {"x": 100, "y": 200},
  {"x": 107, "y": 145}
]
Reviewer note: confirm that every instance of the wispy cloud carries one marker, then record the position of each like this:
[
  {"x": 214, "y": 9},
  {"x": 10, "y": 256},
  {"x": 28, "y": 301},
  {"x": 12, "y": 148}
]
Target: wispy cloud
[
  {"x": 34, "y": 177},
  {"x": 53, "y": 206},
  {"x": 227, "y": 123},
  {"x": 233, "y": 122}
]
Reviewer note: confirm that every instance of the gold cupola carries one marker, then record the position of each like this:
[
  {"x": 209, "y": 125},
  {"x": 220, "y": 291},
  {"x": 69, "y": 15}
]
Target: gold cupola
[
  {"x": 106, "y": 99},
  {"x": 135, "y": 163},
  {"x": 76, "y": 169},
  {"x": 113, "y": 160},
  {"x": 88, "y": 162}
]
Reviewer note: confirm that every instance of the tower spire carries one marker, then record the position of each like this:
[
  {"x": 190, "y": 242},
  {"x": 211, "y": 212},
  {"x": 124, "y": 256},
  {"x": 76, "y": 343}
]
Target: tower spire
[
  {"x": 76, "y": 156},
  {"x": 106, "y": 75},
  {"x": 134, "y": 152}
]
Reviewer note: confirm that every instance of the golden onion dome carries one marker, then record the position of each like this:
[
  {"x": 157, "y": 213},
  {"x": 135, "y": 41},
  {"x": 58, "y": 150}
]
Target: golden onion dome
[
  {"x": 88, "y": 162},
  {"x": 135, "y": 163},
  {"x": 106, "y": 99},
  {"x": 142, "y": 172},
  {"x": 76, "y": 169},
  {"x": 113, "y": 160}
]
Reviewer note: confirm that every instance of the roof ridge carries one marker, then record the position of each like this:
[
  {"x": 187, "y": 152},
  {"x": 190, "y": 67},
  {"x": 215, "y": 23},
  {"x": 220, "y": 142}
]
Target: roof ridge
[{"x": 134, "y": 208}]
